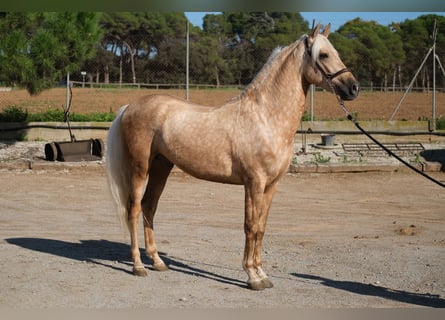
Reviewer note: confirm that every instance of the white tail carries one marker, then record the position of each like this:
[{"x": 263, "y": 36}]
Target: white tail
[{"x": 115, "y": 169}]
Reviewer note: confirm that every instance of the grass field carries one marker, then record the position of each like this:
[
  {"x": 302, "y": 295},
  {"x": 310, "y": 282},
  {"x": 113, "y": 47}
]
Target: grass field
[{"x": 368, "y": 106}]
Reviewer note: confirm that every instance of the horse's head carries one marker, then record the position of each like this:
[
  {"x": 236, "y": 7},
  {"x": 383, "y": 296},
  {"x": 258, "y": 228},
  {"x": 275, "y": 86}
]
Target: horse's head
[{"x": 323, "y": 66}]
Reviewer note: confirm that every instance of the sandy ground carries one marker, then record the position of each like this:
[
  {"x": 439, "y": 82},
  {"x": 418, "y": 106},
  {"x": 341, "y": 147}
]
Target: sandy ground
[{"x": 333, "y": 240}]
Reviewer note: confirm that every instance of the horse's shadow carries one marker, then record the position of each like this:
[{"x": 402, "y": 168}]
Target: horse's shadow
[
  {"x": 420, "y": 299},
  {"x": 106, "y": 253}
]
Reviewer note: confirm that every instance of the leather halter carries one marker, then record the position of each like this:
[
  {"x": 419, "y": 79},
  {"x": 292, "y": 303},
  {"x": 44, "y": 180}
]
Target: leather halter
[{"x": 329, "y": 76}]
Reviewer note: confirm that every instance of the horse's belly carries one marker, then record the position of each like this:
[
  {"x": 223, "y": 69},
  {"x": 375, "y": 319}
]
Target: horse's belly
[
  {"x": 209, "y": 170},
  {"x": 204, "y": 163},
  {"x": 212, "y": 175}
]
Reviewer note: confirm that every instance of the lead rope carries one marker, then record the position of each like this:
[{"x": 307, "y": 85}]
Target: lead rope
[{"x": 355, "y": 122}]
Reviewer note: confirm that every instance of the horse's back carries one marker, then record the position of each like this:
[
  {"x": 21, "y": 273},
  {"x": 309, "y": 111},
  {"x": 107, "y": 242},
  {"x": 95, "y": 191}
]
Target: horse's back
[{"x": 158, "y": 103}]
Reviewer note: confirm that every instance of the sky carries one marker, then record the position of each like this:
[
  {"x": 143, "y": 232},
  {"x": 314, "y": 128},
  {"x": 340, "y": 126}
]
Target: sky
[{"x": 336, "y": 19}]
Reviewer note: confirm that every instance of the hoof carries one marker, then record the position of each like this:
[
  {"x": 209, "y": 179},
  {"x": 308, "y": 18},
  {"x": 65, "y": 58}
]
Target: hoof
[
  {"x": 160, "y": 267},
  {"x": 140, "y": 271},
  {"x": 256, "y": 285},
  {"x": 267, "y": 283}
]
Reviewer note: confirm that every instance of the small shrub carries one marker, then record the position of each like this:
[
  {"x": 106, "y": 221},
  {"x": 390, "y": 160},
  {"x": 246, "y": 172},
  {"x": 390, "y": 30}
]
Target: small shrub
[
  {"x": 440, "y": 123},
  {"x": 306, "y": 116},
  {"x": 94, "y": 117},
  {"x": 55, "y": 115},
  {"x": 46, "y": 116},
  {"x": 319, "y": 158},
  {"x": 13, "y": 114}
]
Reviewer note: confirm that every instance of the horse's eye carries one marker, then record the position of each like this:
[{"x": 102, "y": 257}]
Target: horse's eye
[{"x": 323, "y": 56}]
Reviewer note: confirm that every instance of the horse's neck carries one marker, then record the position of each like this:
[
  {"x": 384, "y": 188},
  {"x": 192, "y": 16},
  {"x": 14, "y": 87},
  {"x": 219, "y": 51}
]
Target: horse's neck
[{"x": 279, "y": 91}]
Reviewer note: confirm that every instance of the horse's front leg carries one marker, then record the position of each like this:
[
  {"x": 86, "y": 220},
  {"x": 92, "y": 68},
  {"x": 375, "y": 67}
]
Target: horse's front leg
[
  {"x": 267, "y": 201},
  {"x": 253, "y": 206}
]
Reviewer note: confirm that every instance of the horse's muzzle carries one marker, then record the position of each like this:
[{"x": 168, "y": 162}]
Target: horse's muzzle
[{"x": 347, "y": 89}]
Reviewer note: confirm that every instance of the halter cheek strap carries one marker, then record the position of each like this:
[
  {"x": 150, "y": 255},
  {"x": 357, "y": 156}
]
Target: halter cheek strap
[{"x": 331, "y": 76}]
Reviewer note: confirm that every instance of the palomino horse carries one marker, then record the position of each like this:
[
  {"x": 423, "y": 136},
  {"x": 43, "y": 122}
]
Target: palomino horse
[{"x": 247, "y": 141}]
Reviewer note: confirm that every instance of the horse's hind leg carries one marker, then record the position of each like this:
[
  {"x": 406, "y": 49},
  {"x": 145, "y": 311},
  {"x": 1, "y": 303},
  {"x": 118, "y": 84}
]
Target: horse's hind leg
[
  {"x": 159, "y": 171},
  {"x": 138, "y": 183}
]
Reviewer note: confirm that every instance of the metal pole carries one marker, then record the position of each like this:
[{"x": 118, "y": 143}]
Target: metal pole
[
  {"x": 312, "y": 101},
  {"x": 433, "y": 112},
  {"x": 187, "y": 63},
  {"x": 67, "y": 91}
]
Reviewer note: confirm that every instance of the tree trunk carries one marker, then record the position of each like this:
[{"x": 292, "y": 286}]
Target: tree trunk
[
  {"x": 106, "y": 74},
  {"x": 132, "y": 54},
  {"x": 427, "y": 81},
  {"x": 394, "y": 80},
  {"x": 90, "y": 79},
  {"x": 120, "y": 70},
  {"x": 399, "y": 69},
  {"x": 385, "y": 83},
  {"x": 217, "y": 77}
]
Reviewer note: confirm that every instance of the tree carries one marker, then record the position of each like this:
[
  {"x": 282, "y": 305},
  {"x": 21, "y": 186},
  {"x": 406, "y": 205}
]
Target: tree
[
  {"x": 37, "y": 49},
  {"x": 101, "y": 63},
  {"x": 135, "y": 38},
  {"x": 416, "y": 36},
  {"x": 345, "y": 47},
  {"x": 246, "y": 39},
  {"x": 378, "y": 50},
  {"x": 284, "y": 28},
  {"x": 206, "y": 61},
  {"x": 168, "y": 65},
  {"x": 119, "y": 37},
  {"x": 208, "y": 52}
]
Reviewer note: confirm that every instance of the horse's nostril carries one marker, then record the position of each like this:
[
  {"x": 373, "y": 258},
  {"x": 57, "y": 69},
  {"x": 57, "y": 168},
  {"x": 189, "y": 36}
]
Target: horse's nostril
[{"x": 355, "y": 88}]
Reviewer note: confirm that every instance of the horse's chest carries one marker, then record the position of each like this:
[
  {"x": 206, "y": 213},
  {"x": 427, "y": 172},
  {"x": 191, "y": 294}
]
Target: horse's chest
[{"x": 271, "y": 155}]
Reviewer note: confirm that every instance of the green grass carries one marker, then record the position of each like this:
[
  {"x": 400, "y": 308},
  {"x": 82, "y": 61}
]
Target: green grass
[{"x": 17, "y": 114}]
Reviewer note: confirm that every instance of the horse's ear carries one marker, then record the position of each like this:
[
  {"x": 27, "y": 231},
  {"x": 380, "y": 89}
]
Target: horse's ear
[
  {"x": 315, "y": 31},
  {"x": 327, "y": 30}
]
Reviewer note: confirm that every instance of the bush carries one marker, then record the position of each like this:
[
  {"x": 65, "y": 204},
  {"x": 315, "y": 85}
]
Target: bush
[
  {"x": 93, "y": 117},
  {"x": 13, "y": 114},
  {"x": 440, "y": 123},
  {"x": 306, "y": 116},
  {"x": 49, "y": 115}
]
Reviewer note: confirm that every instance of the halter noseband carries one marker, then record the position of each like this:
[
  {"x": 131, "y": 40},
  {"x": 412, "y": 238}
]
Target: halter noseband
[{"x": 329, "y": 76}]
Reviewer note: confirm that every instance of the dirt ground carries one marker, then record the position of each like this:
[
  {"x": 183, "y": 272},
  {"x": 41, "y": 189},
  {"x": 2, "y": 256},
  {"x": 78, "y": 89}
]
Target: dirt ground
[
  {"x": 368, "y": 106},
  {"x": 371, "y": 240}
]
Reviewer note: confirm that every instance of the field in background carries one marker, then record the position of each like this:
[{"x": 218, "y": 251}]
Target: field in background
[{"x": 369, "y": 105}]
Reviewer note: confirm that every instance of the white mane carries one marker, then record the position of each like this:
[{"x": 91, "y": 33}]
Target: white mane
[{"x": 269, "y": 66}]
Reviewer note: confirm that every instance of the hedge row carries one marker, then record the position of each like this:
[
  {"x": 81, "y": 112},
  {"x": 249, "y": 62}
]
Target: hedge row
[{"x": 15, "y": 114}]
